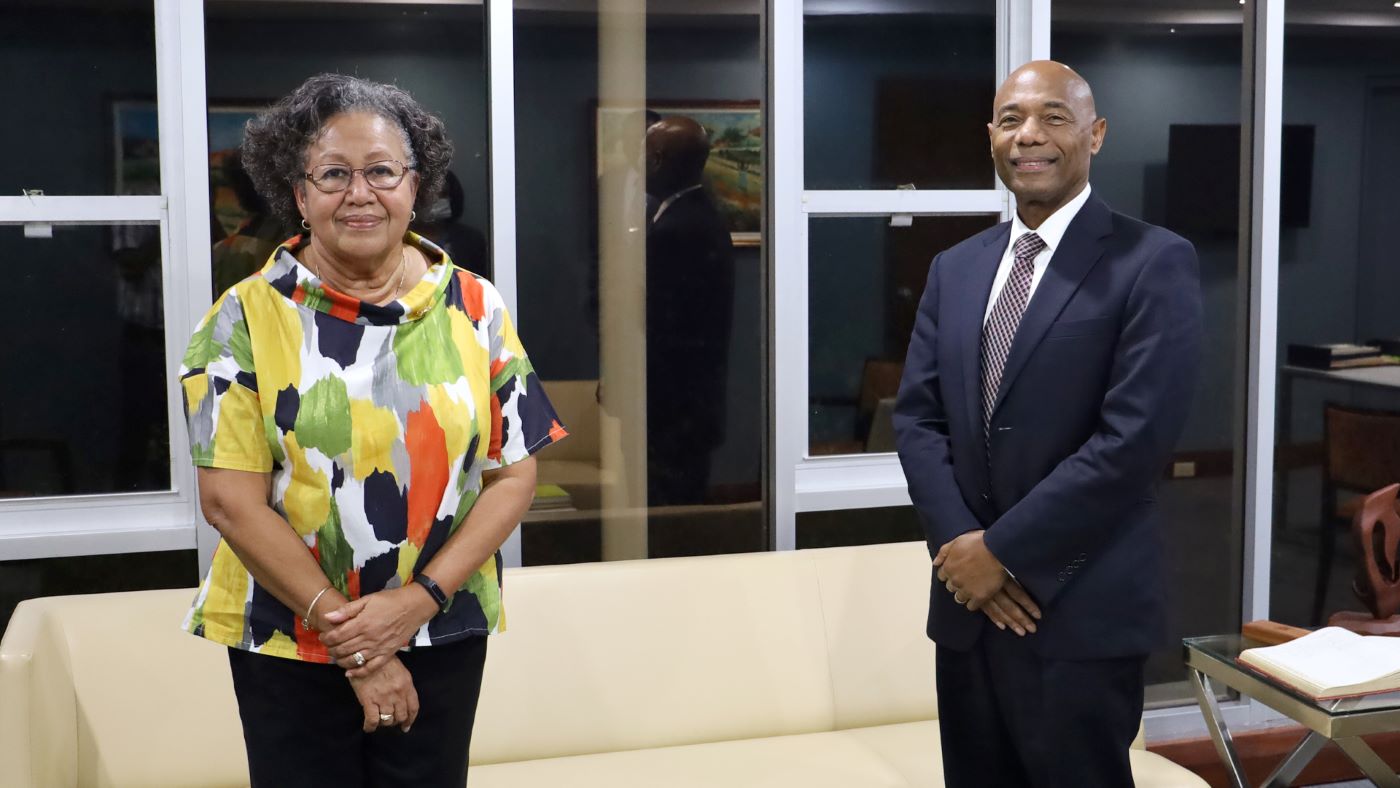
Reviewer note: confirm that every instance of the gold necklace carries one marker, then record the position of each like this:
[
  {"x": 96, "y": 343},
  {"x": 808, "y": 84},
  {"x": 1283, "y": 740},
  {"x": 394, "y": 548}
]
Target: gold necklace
[{"x": 398, "y": 286}]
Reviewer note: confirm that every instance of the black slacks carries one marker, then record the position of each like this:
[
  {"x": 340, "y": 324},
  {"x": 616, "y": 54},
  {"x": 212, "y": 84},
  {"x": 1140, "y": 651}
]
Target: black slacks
[
  {"x": 1009, "y": 717},
  {"x": 302, "y": 721}
]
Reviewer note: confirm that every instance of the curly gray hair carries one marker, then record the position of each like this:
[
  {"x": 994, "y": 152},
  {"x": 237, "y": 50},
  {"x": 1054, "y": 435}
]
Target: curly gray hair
[{"x": 275, "y": 142}]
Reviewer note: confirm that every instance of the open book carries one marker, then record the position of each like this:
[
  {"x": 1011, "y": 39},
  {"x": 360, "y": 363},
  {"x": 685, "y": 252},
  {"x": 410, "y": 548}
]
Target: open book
[{"x": 1331, "y": 663}]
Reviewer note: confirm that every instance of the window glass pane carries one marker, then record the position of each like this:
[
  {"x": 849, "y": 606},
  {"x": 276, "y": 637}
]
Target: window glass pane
[
  {"x": 1338, "y": 277},
  {"x": 83, "y": 383},
  {"x": 434, "y": 51},
  {"x": 865, "y": 278},
  {"x": 87, "y": 73},
  {"x": 898, "y": 95},
  {"x": 94, "y": 574},
  {"x": 847, "y": 527},
  {"x": 640, "y": 296},
  {"x": 1167, "y": 78}
]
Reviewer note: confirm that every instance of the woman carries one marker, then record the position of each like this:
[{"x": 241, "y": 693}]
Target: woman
[{"x": 362, "y": 415}]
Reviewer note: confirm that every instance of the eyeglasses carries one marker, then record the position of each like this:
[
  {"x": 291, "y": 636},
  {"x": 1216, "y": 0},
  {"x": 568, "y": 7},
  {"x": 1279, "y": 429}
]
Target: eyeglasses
[{"x": 332, "y": 178}]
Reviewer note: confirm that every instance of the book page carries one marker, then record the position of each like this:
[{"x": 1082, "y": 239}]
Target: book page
[{"x": 1331, "y": 657}]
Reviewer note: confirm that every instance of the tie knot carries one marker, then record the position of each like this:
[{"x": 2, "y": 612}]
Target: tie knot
[{"x": 1028, "y": 246}]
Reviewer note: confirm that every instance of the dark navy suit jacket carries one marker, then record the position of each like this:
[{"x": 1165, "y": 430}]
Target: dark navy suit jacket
[{"x": 1093, "y": 396}]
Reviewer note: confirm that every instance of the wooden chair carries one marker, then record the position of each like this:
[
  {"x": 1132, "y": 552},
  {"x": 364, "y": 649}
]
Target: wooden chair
[{"x": 1361, "y": 454}]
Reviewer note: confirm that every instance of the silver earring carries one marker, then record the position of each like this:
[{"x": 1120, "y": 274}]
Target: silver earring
[
  {"x": 413, "y": 216},
  {"x": 304, "y": 225}
]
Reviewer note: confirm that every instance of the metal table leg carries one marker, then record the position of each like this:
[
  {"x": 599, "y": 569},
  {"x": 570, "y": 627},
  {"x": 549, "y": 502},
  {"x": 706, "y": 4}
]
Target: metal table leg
[
  {"x": 1301, "y": 756},
  {"x": 1369, "y": 762},
  {"x": 1215, "y": 723}
]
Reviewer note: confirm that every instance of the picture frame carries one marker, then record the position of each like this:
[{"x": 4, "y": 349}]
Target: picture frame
[
  {"x": 226, "y": 122},
  {"x": 136, "y": 147},
  {"x": 734, "y": 172}
]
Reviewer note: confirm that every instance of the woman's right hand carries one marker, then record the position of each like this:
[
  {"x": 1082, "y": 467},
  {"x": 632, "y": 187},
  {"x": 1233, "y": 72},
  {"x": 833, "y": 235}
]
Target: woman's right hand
[{"x": 388, "y": 690}]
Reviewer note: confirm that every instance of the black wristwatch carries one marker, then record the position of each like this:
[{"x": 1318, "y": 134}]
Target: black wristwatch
[{"x": 434, "y": 590}]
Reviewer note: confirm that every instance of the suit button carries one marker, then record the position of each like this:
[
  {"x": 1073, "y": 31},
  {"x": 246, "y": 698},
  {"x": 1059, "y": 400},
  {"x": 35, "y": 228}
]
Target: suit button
[{"x": 986, "y": 498}]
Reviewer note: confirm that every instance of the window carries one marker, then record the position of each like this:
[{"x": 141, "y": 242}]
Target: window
[
  {"x": 865, "y": 279},
  {"x": 1159, "y": 142},
  {"x": 1337, "y": 280},
  {"x": 898, "y": 98},
  {"x": 436, "y": 52}
]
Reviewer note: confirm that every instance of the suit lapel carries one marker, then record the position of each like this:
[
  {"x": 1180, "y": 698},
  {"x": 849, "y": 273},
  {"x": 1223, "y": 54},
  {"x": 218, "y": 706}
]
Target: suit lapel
[
  {"x": 1079, "y": 251},
  {"x": 974, "y": 301}
]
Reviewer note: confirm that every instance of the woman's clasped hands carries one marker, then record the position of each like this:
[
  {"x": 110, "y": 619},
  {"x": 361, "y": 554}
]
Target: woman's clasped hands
[{"x": 364, "y": 635}]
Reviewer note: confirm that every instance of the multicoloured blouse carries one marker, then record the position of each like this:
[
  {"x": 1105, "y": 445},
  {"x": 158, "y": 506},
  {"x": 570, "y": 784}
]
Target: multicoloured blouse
[{"x": 375, "y": 422}]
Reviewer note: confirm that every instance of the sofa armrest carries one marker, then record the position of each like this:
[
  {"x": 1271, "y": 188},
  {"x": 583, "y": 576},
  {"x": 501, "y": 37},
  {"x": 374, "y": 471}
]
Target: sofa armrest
[{"x": 34, "y": 667}]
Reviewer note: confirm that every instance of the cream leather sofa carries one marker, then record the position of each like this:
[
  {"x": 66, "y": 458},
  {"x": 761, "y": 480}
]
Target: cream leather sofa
[{"x": 804, "y": 669}]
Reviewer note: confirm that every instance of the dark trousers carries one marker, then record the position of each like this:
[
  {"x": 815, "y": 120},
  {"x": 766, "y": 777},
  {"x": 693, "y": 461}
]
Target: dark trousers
[
  {"x": 1009, "y": 717},
  {"x": 302, "y": 721}
]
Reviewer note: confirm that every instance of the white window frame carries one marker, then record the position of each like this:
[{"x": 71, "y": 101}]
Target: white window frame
[
  {"x": 806, "y": 483},
  {"x": 500, "y": 142},
  {"x": 47, "y": 527}
]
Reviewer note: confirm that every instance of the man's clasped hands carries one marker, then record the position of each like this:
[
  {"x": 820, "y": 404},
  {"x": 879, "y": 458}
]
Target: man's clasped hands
[{"x": 978, "y": 581}]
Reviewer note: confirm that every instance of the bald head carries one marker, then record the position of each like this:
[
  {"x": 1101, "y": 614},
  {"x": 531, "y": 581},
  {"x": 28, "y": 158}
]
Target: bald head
[
  {"x": 1044, "y": 132},
  {"x": 1048, "y": 75},
  {"x": 677, "y": 148}
]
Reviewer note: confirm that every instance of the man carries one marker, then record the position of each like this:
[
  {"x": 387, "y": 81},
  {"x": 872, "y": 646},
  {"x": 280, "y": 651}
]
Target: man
[
  {"x": 690, "y": 304},
  {"x": 1048, "y": 377}
]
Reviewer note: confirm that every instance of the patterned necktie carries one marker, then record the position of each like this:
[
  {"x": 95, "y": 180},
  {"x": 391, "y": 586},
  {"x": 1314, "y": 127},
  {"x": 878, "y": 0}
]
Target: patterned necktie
[{"x": 1001, "y": 325}]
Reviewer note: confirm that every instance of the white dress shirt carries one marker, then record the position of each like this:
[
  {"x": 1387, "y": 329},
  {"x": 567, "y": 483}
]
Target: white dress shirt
[{"x": 1051, "y": 231}]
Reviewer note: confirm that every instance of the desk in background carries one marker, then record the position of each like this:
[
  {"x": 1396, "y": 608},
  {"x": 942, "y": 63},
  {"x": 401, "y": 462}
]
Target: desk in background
[{"x": 1376, "y": 378}]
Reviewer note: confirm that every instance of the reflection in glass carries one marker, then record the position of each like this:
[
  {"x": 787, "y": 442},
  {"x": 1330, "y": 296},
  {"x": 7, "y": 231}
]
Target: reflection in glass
[
  {"x": 846, "y": 527},
  {"x": 1338, "y": 279},
  {"x": 87, "y": 73},
  {"x": 898, "y": 97},
  {"x": 83, "y": 383},
  {"x": 1162, "y": 73},
  {"x": 94, "y": 574},
  {"x": 865, "y": 278},
  {"x": 640, "y": 196},
  {"x": 434, "y": 51}
]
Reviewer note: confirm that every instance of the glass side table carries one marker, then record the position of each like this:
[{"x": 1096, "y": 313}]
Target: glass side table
[{"x": 1343, "y": 720}]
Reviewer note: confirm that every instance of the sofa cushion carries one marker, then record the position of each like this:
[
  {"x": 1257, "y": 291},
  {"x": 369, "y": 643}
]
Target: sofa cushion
[
  {"x": 814, "y": 760},
  {"x": 874, "y": 603},
  {"x": 911, "y": 749},
  {"x": 904, "y": 756},
  {"x": 635, "y": 654}
]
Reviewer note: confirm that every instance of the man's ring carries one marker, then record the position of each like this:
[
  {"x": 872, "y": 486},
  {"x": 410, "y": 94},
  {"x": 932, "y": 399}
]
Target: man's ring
[
  {"x": 360, "y": 663},
  {"x": 957, "y": 597},
  {"x": 386, "y": 718}
]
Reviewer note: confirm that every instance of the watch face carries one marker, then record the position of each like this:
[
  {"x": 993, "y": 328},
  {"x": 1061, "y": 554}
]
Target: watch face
[{"x": 433, "y": 589}]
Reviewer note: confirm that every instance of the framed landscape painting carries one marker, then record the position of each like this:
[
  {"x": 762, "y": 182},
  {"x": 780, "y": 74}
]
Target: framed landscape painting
[{"x": 734, "y": 171}]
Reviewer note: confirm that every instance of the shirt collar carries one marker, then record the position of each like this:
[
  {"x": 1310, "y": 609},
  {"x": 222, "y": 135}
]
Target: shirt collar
[
  {"x": 300, "y": 284},
  {"x": 1052, "y": 230}
]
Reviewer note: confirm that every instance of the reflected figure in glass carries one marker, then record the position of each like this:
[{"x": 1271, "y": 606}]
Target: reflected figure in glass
[
  {"x": 690, "y": 303},
  {"x": 243, "y": 252},
  {"x": 442, "y": 224}
]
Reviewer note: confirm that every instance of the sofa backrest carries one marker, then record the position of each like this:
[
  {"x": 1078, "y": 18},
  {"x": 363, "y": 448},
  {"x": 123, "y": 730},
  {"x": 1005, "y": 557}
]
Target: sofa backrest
[
  {"x": 638, "y": 654},
  {"x": 597, "y": 658},
  {"x": 874, "y": 602}
]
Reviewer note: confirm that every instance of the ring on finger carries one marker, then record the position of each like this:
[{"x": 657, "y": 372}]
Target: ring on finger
[
  {"x": 386, "y": 718},
  {"x": 360, "y": 663}
]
